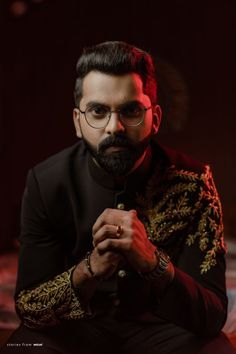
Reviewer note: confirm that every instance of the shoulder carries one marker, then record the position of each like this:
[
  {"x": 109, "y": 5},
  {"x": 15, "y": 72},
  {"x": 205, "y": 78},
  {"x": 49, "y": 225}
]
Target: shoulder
[
  {"x": 52, "y": 180},
  {"x": 60, "y": 161},
  {"x": 57, "y": 170},
  {"x": 182, "y": 205},
  {"x": 174, "y": 168},
  {"x": 179, "y": 160}
]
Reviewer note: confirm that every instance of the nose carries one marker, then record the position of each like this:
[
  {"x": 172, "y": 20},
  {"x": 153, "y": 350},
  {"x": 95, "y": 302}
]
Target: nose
[{"x": 114, "y": 125}]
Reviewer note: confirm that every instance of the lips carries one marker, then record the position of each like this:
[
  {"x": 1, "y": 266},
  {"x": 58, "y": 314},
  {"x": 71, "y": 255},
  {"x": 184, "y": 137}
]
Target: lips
[{"x": 115, "y": 149}]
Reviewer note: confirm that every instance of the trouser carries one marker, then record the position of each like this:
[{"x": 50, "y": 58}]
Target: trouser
[{"x": 108, "y": 335}]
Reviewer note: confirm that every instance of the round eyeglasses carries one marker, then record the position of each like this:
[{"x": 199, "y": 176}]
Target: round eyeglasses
[{"x": 98, "y": 116}]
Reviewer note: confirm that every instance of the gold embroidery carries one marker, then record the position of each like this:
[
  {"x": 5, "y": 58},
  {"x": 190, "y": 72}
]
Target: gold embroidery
[
  {"x": 184, "y": 204},
  {"x": 49, "y": 303}
]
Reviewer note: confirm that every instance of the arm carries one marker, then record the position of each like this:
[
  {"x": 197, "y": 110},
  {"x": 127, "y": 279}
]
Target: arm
[
  {"x": 43, "y": 290},
  {"x": 194, "y": 301},
  {"x": 196, "y": 298},
  {"x": 48, "y": 290}
]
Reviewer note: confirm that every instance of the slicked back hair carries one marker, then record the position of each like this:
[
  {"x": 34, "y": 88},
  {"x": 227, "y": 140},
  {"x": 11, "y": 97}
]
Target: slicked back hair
[{"x": 116, "y": 58}]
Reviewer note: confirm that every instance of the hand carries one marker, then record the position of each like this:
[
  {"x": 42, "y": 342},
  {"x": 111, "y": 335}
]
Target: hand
[
  {"x": 133, "y": 243},
  {"x": 104, "y": 264}
]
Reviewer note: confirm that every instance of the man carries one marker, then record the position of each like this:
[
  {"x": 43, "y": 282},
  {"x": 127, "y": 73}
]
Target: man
[{"x": 121, "y": 245}]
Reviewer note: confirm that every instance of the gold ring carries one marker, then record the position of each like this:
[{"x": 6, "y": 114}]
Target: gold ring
[{"x": 119, "y": 230}]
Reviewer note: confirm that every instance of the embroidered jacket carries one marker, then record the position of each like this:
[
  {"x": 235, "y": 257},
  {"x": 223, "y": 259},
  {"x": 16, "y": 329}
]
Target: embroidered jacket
[{"x": 180, "y": 209}]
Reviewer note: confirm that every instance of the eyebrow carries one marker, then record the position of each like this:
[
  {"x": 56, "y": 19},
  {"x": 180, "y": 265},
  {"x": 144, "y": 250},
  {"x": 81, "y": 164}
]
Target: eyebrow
[{"x": 94, "y": 103}]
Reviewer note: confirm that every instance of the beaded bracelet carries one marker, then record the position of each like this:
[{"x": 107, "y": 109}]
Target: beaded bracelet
[{"x": 87, "y": 263}]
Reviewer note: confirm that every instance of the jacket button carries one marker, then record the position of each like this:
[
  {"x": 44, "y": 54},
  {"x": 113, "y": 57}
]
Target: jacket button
[
  {"x": 121, "y": 206},
  {"x": 122, "y": 273}
]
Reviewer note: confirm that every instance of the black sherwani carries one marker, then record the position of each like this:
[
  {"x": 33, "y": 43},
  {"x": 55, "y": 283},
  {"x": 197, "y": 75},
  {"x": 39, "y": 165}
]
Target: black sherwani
[{"x": 178, "y": 204}]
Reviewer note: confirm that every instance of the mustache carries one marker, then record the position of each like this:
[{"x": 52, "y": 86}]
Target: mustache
[{"x": 116, "y": 140}]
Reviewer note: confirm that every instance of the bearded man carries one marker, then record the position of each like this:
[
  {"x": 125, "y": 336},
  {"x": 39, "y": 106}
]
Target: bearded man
[{"x": 122, "y": 245}]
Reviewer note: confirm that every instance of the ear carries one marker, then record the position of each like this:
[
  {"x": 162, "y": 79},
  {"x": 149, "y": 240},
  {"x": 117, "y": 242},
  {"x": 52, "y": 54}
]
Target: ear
[
  {"x": 76, "y": 119},
  {"x": 157, "y": 114}
]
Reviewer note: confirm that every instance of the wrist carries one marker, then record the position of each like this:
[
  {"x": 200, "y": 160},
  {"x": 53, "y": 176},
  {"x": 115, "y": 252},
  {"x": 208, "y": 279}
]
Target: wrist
[
  {"x": 83, "y": 285},
  {"x": 88, "y": 265},
  {"x": 162, "y": 267},
  {"x": 80, "y": 275},
  {"x": 83, "y": 274}
]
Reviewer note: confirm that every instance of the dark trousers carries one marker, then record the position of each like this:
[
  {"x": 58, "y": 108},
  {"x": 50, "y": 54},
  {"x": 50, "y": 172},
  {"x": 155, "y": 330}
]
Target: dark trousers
[{"x": 109, "y": 335}]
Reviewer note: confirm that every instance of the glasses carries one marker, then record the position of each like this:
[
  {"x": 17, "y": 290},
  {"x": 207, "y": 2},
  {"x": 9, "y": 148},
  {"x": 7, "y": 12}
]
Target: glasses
[{"x": 98, "y": 116}]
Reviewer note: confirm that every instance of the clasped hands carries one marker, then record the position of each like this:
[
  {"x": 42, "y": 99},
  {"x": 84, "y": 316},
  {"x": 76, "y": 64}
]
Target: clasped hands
[{"x": 119, "y": 236}]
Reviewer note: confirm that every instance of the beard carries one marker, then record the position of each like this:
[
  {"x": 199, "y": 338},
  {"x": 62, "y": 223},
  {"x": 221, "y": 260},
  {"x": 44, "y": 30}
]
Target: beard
[{"x": 118, "y": 163}]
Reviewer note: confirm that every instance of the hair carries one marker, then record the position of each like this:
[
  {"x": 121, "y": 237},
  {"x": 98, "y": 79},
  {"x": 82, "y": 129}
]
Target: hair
[{"x": 116, "y": 58}]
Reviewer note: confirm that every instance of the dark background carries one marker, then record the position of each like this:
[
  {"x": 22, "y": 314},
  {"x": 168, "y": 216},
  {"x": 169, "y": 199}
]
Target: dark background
[{"x": 193, "y": 43}]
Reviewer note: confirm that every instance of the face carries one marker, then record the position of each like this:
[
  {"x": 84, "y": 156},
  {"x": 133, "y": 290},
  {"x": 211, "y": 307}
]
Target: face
[{"x": 117, "y": 148}]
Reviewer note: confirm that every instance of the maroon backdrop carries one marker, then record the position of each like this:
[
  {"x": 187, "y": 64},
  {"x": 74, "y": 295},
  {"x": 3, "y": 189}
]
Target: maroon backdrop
[{"x": 40, "y": 43}]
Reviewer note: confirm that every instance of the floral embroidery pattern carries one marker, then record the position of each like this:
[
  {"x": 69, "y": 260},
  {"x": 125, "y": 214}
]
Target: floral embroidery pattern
[
  {"x": 184, "y": 204},
  {"x": 49, "y": 303}
]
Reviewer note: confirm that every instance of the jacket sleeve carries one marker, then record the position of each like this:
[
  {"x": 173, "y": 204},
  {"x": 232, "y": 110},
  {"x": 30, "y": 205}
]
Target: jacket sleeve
[
  {"x": 190, "y": 215},
  {"x": 49, "y": 303},
  {"x": 44, "y": 294}
]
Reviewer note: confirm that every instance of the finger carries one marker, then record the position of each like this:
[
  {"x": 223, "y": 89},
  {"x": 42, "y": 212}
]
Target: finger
[
  {"x": 133, "y": 211},
  {"x": 111, "y": 257},
  {"x": 105, "y": 265},
  {"x": 109, "y": 216},
  {"x": 110, "y": 244},
  {"x": 107, "y": 231}
]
